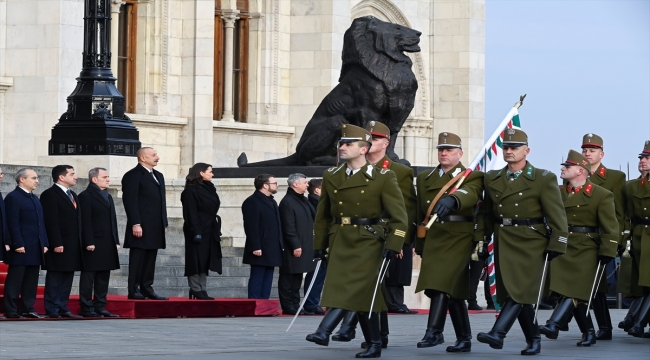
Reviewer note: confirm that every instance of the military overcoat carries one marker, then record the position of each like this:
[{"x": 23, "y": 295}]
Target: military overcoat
[
  {"x": 448, "y": 245},
  {"x": 572, "y": 274},
  {"x": 639, "y": 205},
  {"x": 519, "y": 250},
  {"x": 628, "y": 272},
  {"x": 355, "y": 254}
]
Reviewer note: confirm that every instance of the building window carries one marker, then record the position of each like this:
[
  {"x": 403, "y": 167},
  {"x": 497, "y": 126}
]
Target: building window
[
  {"x": 240, "y": 62},
  {"x": 127, "y": 40}
]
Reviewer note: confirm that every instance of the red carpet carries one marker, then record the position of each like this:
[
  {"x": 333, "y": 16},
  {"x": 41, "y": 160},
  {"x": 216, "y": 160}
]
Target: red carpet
[{"x": 174, "y": 307}]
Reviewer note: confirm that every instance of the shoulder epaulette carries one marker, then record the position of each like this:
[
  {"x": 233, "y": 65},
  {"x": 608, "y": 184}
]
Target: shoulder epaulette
[{"x": 334, "y": 169}]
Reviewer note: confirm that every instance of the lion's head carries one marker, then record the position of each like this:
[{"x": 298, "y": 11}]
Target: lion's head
[{"x": 376, "y": 44}]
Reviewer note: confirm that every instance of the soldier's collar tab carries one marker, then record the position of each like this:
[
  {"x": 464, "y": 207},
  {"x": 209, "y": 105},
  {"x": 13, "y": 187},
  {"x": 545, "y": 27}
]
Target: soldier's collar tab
[{"x": 529, "y": 171}]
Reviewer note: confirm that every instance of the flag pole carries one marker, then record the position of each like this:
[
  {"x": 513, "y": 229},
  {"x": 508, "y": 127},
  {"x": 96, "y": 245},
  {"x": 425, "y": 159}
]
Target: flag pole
[{"x": 498, "y": 131}]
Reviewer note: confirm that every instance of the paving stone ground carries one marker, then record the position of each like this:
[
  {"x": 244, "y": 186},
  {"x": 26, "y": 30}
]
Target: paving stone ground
[{"x": 265, "y": 337}]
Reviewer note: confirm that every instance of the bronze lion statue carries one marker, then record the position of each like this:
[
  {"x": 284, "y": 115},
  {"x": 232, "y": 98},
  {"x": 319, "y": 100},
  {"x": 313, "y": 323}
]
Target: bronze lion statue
[{"x": 376, "y": 83}]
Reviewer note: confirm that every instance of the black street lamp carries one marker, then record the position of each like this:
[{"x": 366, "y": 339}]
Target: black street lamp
[{"x": 95, "y": 123}]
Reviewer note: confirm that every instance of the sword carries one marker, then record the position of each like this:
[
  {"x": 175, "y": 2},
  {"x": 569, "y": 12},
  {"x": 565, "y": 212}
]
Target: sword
[
  {"x": 380, "y": 278},
  {"x": 541, "y": 288},
  {"x": 302, "y": 303},
  {"x": 599, "y": 273}
]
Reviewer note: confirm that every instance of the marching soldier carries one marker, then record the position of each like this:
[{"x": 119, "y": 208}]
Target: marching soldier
[
  {"x": 593, "y": 242},
  {"x": 445, "y": 250},
  {"x": 639, "y": 204},
  {"x": 400, "y": 269},
  {"x": 526, "y": 215},
  {"x": 614, "y": 181},
  {"x": 355, "y": 197}
]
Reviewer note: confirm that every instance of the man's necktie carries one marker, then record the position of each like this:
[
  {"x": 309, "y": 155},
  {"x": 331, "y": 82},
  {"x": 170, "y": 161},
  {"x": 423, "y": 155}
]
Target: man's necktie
[
  {"x": 74, "y": 203},
  {"x": 154, "y": 177}
]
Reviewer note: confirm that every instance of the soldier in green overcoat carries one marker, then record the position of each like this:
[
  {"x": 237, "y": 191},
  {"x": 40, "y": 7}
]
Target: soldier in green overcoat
[
  {"x": 526, "y": 216},
  {"x": 401, "y": 268},
  {"x": 355, "y": 198},
  {"x": 639, "y": 206},
  {"x": 614, "y": 181},
  {"x": 593, "y": 242},
  {"x": 444, "y": 273}
]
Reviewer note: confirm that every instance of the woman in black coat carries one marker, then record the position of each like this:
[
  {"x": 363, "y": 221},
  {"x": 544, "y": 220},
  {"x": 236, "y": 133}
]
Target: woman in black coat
[{"x": 202, "y": 229}]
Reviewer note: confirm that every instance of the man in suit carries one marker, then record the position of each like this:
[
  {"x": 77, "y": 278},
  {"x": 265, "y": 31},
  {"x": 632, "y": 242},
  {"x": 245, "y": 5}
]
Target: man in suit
[
  {"x": 27, "y": 245},
  {"x": 63, "y": 225},
  {"x": 312, "y": 304},
  {"x": 3, "y": 224},
  {"x": 100, "y": 244},
  {"x": 264, "y": 243},
  {"x": 146, "y": 212}
]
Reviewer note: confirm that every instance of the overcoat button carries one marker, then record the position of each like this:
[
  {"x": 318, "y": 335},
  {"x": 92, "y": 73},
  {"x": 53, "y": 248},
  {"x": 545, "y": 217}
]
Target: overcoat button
[
  {"x": 501, "y": 225},
  {"x": 340, "y": 202},
  {"x": 362, "y": 191},
  {"x": 354, "y": 226},
  {"x": 520, "y": 194},
  {"x": 335, "y": 191},
  {"x": 516, "y": 204},
  {"x": 500, "y": 205}
]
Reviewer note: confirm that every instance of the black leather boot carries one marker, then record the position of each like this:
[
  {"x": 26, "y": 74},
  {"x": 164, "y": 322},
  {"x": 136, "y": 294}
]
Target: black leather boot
[
  {"x": 558, "y": 318},
  {"x": 460, "y": 320},
  {"x": 383, "y": 330},
  {"x": 436, "y": 321},
  {"x": 531, "y": 330},
  {"x": 585, "y": 324},
  {"x": 504, "y": 322},
  {"x": 628, "y": 321},
  {"x": 327, "y": 325},
  {"x": 370, "y": 329},
  {"x": 604, "y": 321},
  {"x": 641, "y": 318},
  {"x": 347, "y": 331}
]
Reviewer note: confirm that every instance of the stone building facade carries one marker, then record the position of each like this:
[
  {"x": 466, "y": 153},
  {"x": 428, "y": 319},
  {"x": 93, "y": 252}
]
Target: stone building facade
[{"x": 205, "y": 80}]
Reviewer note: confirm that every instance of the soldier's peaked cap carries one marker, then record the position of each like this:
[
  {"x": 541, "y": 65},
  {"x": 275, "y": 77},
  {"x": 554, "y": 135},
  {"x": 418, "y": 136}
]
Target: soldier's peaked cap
[
  {"x": 514, "y": 137},
  {"x": 447, "y": 140},
  {"x": 351, "y": 133},
  {"x": 646, "y": 149},
  {"x": 592, "y": 141},
  {"x": 378, "y": 129},
  {"x": 577, "y": 159}
]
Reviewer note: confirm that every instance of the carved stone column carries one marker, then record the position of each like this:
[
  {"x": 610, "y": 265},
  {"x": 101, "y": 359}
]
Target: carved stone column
[
  {"x": 115, "y": 33},
  {"x": 5, "y": 84},
  {"x": 229, "y": 17},
  {"x": 409, "y": 142}
]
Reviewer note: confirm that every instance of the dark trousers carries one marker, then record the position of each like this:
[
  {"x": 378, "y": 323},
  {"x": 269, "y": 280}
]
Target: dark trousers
[
  {"x": 260, "y": 282},
  {"x": 313, "y": 300},
  {"x": 21, "y": 281},
  {"x": 475, "y": 269},
  {"x": 142, "y": 267},
  {"x": 58, "y": 285},
  {"x": 394, "y": 296},
  {"x": 289, "y": 291},
  {"x": 97, "y": 280}
]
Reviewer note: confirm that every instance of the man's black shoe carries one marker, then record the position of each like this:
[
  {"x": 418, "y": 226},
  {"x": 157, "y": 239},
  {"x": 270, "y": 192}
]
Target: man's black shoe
[
  {"x": 473, "y": 306},
  {"x": 408, "y": 311},
  {"x": 90, "y": 314},
  {"x": 67, "y": 314},
  {"x": 289, "y": 312},
  {"x": 12, "y": 315},
  {"x": 316, "y": 310},
  {"x": 53, "y": 316},
  {"x": 154, "y": 296},
  {"x": 306, "y": 312},
  {"x": 106, "y": 313},
  {"x": 544, "y": 306},
  {"x": 32, "y": 315},
  {"x": 137, "y": 296}
]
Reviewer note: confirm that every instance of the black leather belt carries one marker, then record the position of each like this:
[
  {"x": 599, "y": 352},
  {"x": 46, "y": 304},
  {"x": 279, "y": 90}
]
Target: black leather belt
[
  {"x": 583, "y": 229},
  {"x": 456, "y": 218},
  {"x": 512, "y": 222},
  {"x": 357, "y": 221},
  {"x": 642, "y": 221}
]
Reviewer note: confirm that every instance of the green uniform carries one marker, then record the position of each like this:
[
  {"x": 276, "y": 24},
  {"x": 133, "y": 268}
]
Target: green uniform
[
  {"x": 448, "y": 245},
  {"x": 355, "y": 254},
  {"x": 572, "y": 274},
  {"x": 639, "y": 204},
  {"x": 519, "y": 250},
  {"x": 404, "y": 176}
]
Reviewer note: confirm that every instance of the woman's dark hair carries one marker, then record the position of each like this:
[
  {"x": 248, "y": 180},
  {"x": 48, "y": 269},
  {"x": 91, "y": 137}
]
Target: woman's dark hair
[{"x": 194, "y": 176}]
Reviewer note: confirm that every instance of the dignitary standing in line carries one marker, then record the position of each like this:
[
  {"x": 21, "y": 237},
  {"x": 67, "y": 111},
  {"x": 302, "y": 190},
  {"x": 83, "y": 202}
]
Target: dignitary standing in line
[
  {"x": 27, "y": 245},
  {"x": 297, "y": 217},
  {"x": 444, "y": 273},
  {"x": 100, "y": 242},
  {"x": 355, "y": 198},
  {"x": 264, "y": 243},
  {"x": 146, "y": 213},
  {"x": 312, "y": 304},
  {"x": 614, "y": 181},
  {"x": 524, "y": 212},
  {"x": 202, "y": 229},
  {"x": 62, "y": 215},
  {"x": 4, "y": 237},
  {"x": 639, "y": 204},
  {"x": 592, "y": 244}
]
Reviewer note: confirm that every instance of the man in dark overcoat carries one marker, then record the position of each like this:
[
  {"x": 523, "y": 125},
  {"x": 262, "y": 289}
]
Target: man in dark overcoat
[
  {"x": 27, "y": 245},
  {"x": 297, "y": 217},
  {"x": 62, "y": 215},
  {"x": 143, "y": 191},
  {"x": 312, "y": 304},
  {"x": 264, "y": 243},
  {"x": 100, "y": 242},
  {"x": 525, "y": 213},
  {"x": 4, "y": 237}
]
